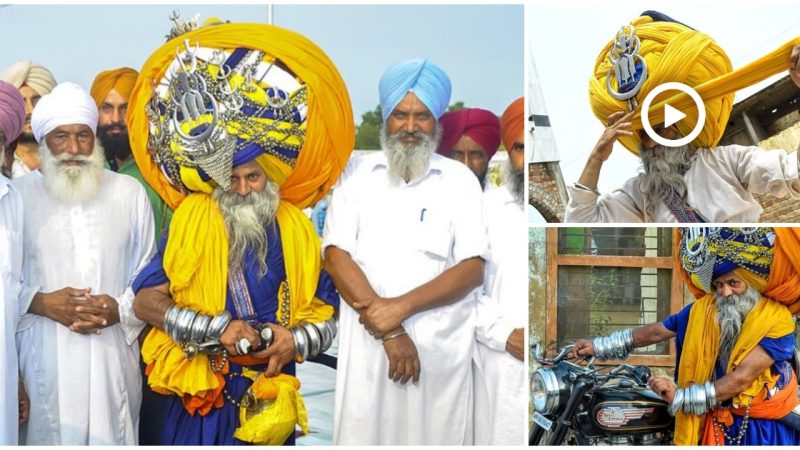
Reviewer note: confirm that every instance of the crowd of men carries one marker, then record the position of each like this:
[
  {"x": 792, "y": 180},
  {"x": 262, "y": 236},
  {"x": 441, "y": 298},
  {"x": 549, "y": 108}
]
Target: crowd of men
[{"x": 160, "y": 280}]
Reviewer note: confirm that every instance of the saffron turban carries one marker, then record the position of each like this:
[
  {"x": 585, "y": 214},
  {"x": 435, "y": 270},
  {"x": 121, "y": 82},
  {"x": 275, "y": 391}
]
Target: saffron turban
[
  {"x": 767, "y": 259},
  {"x": 674, "y": 52},
  {"x": 428, "y": 82},
  {"x": 512, "y": 123},
  {"x": 480, "y": 125},
  {"x": 12, "y": 111},
  {"x": 121, "y": 80},
  {"x": 31, "y": 74},
  {"x": 67, "y": 104}
]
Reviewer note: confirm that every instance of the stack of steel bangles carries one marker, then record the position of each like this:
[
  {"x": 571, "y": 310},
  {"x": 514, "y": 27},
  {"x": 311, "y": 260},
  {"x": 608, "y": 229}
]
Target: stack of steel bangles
[
  {"x": 311, "y": 339},
  {"x": 696, "y": 399},
  {"x": 194, "y": 332},
  {"x": 616, "y": 346}
]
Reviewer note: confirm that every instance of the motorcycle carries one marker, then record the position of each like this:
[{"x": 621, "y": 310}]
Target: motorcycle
[{"x": 584, "y": 405}]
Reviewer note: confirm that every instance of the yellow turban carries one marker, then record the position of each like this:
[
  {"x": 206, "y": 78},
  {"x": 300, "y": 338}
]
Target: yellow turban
[
  {"x": 676, "y": 53},
  {"x": 32, "y": 74},
  {"x": 121, "y": 80}
]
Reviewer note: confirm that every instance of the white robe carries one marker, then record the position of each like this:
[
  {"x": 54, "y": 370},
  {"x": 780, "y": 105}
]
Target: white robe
[
  {"x": 402, "y": 236},
  {"x": 501, "y": 400},
  {"x": 84, "y": 389},
  {"x": 10, "y": 272},
  {"x": 720, "y": 185}
]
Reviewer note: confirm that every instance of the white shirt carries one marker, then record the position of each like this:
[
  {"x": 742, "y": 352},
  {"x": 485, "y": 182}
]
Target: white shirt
[
  {"x": 10, "y": 272},
  {"x": 720, "y": 185},
  {"x": 402, "y": 236},
  {"x": 84, "y": 389},
  {"x": 18, "y": 168},
  {"x": 501, "y": 400}
]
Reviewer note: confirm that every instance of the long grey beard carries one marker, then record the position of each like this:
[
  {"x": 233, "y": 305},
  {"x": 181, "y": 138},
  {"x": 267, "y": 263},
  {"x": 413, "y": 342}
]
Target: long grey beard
[
  {"x": 246, "y": 221},
  {"x": 409, "y": 162},
  {"x": 515, "y": 179},
  {"x": 664, "y": 168},
  {"x": 72, "y": 183},
  {"x": 731, "y": 312}
]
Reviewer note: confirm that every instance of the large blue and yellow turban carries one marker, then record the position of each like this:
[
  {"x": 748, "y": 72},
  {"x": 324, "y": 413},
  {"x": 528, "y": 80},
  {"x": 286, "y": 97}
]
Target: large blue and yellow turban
[
  {"x": 673, "y": 52},
  {"x": 422, "y": 77},
  {"x": 211, "y": 99}
]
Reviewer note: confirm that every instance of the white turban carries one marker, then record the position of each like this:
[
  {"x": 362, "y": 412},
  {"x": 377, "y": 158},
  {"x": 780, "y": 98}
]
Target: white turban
[
  {"x": 32, "y": 74},
  {"x": 67, "y": 104}
]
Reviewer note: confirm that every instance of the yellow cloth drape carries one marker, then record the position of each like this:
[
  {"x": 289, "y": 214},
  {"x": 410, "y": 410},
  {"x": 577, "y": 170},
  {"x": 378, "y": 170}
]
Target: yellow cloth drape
[
  {"x": 330, "y": 134},
  {"x": 768, "y": 319},
  {"x": 674, "y": 52}
]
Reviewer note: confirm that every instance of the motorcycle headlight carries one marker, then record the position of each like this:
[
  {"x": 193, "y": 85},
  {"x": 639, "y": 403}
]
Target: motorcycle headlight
[{"x": 547, "y": 388}]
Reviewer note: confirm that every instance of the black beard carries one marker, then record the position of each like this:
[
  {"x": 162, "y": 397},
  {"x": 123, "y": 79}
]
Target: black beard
[{"x": 117, "y": 146}]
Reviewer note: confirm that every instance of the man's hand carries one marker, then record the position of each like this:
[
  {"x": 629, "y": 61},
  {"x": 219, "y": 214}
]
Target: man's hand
[
  {"x": 24, "y": 402},
  {"x": 382, "y": 316},
  {"x": 280, "y": 352},
  {"x": 664, "y": 387},
  {"x": 60, "y": 305},
  {"x": 403, "y": 359},
  {"x": 583, "y": 348},
  {"x": 516, "y": 343},
  {"x": 236, "y": 331},
  {"x": 95, "y": 313},
  {"x": 618, "y": 125},
  {"x": 794, "y": 65}
]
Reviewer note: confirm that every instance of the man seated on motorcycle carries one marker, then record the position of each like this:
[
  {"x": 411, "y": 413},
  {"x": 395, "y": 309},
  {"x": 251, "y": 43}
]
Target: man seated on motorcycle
[{"x": 734, "y": 345}]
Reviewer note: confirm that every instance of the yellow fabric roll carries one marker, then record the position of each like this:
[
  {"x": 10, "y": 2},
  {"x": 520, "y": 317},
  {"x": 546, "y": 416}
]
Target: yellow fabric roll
[
  {"x": 121, "y": 80},
  {"x": 768, "y": 319},
  {"x": 674, "y": 52},
  {"x": 330, "y": 135}
]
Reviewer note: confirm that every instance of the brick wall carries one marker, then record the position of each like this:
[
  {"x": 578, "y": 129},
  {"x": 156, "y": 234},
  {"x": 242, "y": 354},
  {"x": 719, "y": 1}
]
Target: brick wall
[{"x": 543, "y": 191}]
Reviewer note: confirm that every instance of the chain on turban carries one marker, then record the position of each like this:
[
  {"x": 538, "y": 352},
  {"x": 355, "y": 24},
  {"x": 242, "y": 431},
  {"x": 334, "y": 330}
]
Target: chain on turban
[{"x": 673, "y": 52}]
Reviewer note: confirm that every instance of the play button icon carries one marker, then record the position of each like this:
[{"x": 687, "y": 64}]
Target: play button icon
[{"x": 672, "y": 115}]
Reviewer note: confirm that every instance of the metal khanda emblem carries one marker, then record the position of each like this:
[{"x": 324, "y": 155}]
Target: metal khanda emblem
[{"x": 630, "y": 69}]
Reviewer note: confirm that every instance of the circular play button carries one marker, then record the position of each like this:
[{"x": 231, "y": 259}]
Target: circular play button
[{"x": 672, "y": 115}]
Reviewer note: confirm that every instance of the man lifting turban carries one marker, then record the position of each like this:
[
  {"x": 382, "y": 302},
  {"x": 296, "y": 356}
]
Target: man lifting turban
[
  {"x": 696, "y": 182},
  {"x": 238, "y": 127}
]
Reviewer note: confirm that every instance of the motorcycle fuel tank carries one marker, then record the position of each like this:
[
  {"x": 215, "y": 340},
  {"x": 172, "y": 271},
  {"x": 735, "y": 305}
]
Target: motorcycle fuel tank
[{"x": 628, "y": 410}]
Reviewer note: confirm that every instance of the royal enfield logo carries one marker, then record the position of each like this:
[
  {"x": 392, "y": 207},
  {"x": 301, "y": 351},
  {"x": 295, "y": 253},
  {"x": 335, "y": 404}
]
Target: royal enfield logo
[{"x": 617, "y": 417}]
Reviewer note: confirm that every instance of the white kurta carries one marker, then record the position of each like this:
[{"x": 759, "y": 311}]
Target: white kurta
[
  {"x": 402, "y": 236},
  {"x": 84, "y": 389},
  {"x": 10, "y": 272},
  {"x": 720, "y": 184},
  {"x": 18, "y": 168},
  {"x": 501, "y": 400}
]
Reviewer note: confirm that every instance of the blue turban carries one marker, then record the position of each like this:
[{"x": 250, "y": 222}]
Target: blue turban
[{"x": 429, "y": 83}]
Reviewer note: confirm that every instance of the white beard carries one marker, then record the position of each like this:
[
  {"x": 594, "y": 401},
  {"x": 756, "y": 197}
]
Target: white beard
[
  {"x": 515, "y": 179},
  {"x": 731, "y": 313},
  {"x": 72, "y": 183},
  {"x": 409, "y": 162}
]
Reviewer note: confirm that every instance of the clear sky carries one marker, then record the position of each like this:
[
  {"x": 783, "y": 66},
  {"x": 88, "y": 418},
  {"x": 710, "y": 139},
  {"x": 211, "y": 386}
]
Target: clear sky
[
  {"x": 479, "y": 46},
  {"x": 565, "y": 40}
]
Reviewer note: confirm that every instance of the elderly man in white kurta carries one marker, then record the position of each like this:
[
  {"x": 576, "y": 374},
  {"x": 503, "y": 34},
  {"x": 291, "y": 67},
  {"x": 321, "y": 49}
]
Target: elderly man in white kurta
[
  {"x": 10, "y": 271},
  {"x": 500, "y": 389},
  {"x": 404, "y": 243},
  {"x": 87, "y": 233}
]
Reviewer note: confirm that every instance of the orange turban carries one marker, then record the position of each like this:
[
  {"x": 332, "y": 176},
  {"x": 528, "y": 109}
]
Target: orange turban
[
  {"x": 782, "y": 283},
  {"x": 121, "y": 80},
  {"x": 513, "y": 122}
]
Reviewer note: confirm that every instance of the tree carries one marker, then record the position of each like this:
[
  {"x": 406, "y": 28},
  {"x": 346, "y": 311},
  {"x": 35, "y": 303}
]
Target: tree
[{"x": 369, "y": 130}]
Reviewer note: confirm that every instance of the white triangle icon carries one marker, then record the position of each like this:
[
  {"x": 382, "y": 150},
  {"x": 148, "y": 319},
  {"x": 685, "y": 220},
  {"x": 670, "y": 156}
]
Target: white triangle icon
[{"x": 671, "y": 116}]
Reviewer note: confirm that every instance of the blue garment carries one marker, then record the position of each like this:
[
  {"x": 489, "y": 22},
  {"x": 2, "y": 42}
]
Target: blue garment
[
  {"x": 428, "y": 81},
  {"x": 781, "y": 350},
  {"x": 217, "y": 427}
]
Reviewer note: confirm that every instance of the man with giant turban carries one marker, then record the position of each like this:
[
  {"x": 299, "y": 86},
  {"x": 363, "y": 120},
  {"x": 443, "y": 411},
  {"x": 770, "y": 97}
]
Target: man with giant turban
[
  {"x": 735, "y": 369},
  {"x": 238, "y": 127},
  {"x": 696, "y": 182},
  {"x": 111, "y": 91},
  {"x": 405, "y": 245},
  {"x": 502, "y": 312},
  {"x": 12, "y": 413},
  {"x": 470, "y": 136},
  {"x": 87, "y": 233},
  {"x": 33, "y": 81}
]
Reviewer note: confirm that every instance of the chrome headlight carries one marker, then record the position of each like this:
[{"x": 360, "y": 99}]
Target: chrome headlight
[{"x": 547, "y": 389}]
